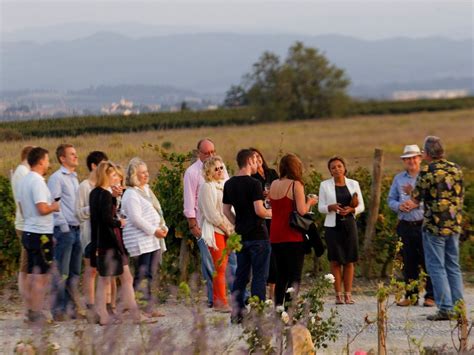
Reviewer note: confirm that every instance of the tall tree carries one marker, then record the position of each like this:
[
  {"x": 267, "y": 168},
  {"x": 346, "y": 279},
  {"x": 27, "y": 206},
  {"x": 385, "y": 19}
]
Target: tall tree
[{"x": 305, "y": 85}]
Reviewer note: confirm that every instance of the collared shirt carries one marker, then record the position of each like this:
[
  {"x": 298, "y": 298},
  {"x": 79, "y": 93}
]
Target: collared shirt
[
  {"x": 397, "y": 196},
  {"x": 20, "y": 172},
  {"x": 32, "y": 190},
  {"x": 440, "y": 186},
  {"x": 64, "y": 184},
  {"x": 193, "y": 179}
]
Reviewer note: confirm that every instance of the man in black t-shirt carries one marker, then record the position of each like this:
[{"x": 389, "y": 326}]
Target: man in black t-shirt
[{"x": 245, "y": 194}]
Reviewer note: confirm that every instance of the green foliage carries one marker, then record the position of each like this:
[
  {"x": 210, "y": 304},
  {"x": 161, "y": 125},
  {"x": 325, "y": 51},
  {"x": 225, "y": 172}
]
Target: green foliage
[
  {"x": 306, "y": 85},
  {"x": 374, "y": 107},
  {"x": 9, "y": 242},
  {"x": 267, "y": 111},
  {"x": 168, "y": 188}
]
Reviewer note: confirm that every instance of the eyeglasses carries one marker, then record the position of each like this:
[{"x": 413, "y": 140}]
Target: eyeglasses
[
  {"x": 218, "y": 168},
  {"x": 209, "y": 153}
]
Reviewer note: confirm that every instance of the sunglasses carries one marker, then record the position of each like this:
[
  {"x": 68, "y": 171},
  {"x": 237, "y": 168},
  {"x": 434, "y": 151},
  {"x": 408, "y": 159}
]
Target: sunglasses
[{"x": 218, "y": 168}]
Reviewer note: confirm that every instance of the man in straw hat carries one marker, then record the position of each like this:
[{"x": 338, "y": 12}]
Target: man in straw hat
[{"x": 410, "y": 220}]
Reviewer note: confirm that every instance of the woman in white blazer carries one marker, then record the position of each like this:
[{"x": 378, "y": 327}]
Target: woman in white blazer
[{"x": 340, "y": 198}]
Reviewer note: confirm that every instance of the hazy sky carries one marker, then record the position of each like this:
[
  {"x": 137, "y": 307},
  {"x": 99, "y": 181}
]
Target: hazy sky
[{"x": 364, "y": 19}]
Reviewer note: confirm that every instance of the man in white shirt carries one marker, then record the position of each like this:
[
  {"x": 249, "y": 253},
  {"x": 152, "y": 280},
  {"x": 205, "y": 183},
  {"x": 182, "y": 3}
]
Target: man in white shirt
[
  {"x": 37, "y": 207},
  {"x": 20, "y": 172},
  {"x": 193, "y": 179},
  {"x": 64, "y": 185}
]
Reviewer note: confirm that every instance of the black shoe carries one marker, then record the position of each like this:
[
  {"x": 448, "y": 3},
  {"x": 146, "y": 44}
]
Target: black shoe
[
  {"x": 440, "y": 315},
  {"x": 236, "y": 319},
  {"x": 36, "y": 317},
  {"x": 210, "y": 304},
  {"x": 59, "y": 317}
]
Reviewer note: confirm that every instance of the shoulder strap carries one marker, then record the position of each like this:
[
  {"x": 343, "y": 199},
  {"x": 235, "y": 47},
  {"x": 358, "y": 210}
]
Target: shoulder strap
[{"x": 294, "y": 199}]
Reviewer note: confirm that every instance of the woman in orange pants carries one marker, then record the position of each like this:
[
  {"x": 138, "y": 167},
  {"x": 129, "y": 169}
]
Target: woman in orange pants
[{"x": 215, "y": 228}]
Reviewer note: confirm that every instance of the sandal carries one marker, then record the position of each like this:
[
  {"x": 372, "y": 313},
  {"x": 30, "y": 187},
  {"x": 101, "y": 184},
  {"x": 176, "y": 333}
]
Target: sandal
[
  {"x": 111, "y": 321},
  {"x": 348, "y": 298},
  {"x": 339, "y": 299}
]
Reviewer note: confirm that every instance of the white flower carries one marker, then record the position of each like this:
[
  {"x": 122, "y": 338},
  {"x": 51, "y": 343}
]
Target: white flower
[
  {"x": 280, "y": 309},
  {"x": 313, "y": 320},
  {"x": 290, "y": 290},
  {"x": 55, "y": 346},
  {"x": 269, "y": 302},
  {"x": 330, "y": 278},
  {"x": 285, "y": 317}
]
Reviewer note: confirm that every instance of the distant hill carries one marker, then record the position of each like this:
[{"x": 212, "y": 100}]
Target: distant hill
[{"x": 211, "y": 62}]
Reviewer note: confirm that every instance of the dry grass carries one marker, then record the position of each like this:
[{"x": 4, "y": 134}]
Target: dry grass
[{"x": 314, "y": 140}]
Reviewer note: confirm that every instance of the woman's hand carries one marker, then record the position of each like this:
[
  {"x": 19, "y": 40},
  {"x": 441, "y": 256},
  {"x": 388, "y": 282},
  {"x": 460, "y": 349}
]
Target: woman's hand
[
  {"x": 346, "y": 210},
  {"x": 313, "y": 200},
  {"x": 336, "y": 207},
  {"x": 123, "y": 222},
  {"x": 161, "y": 233}
]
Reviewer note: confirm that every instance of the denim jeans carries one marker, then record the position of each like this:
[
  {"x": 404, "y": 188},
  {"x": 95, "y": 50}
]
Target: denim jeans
[
  {"x": 442, "y": 263},
  {"x": 231, "y": 270},
  {"x": 253, "y": 258},
  {"x": 68, "y": 258},
  {"x": 207, "y": 267},
  {"x": 145, "y": 271}
]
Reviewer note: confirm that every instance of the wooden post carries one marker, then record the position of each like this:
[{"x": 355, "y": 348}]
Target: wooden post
[
  {"x": 375, "y": 192},
  {"x": 381, "y": 331},
  {"x": 184, "y": 259}
]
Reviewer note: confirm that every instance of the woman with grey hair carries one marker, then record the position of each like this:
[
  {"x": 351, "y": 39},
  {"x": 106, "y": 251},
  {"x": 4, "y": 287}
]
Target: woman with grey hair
[{"x": 146, "y": 229}]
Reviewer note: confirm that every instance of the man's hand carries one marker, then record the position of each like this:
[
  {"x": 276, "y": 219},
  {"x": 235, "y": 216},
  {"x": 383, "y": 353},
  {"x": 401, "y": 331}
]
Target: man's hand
[
  {"x": 195, "y": 231},
  {"x": 408, "y": 205}
]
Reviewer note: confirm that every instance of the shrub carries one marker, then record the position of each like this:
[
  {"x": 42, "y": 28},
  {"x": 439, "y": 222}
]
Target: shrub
[{"x": 9, "y": 243}]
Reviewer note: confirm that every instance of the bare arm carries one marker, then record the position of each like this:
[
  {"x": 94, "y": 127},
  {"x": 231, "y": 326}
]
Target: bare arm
[
  {"x": 45, "y": 208},
  {"x": 227, "y": 209},
  {"x": 260, "y": 209},
  {"x": 302, "y": 206}
]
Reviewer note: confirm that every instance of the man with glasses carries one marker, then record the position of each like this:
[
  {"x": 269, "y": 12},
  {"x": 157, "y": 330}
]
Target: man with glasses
[{"x": 193, "y": 179}]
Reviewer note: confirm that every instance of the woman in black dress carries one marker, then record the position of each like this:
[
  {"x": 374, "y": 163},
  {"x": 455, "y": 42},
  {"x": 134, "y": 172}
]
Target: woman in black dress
[
  {"x": 266, "y": 176},
  {"x": 341, "y": 200},
  {"x": 108, "y": 252}
]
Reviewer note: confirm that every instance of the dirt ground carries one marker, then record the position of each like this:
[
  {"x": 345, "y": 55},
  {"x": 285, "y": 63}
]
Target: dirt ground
[{"x": 193, "y": 328}]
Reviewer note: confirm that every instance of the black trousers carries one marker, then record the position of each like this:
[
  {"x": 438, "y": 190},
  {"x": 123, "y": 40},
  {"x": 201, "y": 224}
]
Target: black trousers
[
  {"x": 289, "y": 259},
  {"x": 413, "y": 256}
]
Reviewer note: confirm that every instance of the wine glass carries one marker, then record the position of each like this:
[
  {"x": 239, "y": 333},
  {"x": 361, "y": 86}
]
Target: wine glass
[
  {"x": 311, "y": 196},
  {"x": 266, "y": 189}
]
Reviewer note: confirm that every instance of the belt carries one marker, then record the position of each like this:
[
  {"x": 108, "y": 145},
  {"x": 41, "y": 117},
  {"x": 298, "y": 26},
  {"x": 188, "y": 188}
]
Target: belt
[
  {"x": 74, "y": 227},
  {"x": 412, "y": 223}
]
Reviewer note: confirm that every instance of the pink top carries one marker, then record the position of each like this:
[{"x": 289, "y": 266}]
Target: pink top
[{"x": 193, "y": 179}]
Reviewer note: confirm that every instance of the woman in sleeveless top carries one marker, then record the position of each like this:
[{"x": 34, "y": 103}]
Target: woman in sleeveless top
[{"x": 287, "y": 243}]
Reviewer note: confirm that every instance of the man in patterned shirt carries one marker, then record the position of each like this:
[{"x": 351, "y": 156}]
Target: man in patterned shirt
[{"x": 440, "y": 187}]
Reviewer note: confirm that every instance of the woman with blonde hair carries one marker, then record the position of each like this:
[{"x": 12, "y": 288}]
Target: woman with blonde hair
[
  {"x": 215, "y": 227},
  {"x": 341, "y": 200},
  {"x": 146, "y": 228},
  {"x": 108, "y": 252},
  {"x": 287, "y": 194}
]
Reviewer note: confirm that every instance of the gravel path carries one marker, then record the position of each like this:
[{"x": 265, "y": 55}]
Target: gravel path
[{"x": 176, "y": 333}]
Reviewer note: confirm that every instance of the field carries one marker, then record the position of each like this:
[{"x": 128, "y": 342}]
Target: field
[{"x": 313, "y": 140}]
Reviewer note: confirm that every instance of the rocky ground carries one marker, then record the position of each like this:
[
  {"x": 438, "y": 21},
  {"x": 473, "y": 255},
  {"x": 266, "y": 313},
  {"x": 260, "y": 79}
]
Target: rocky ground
[{"x": 186, "y": 328}]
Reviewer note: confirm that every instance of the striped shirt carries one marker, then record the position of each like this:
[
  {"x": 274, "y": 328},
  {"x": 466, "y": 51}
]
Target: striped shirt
[{"x": 142, "y": 222}]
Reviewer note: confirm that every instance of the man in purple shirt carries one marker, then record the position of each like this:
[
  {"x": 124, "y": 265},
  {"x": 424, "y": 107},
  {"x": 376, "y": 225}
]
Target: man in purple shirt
[
  {"x": 410, "y": 221},
  {"x": 193, "y": 179}
]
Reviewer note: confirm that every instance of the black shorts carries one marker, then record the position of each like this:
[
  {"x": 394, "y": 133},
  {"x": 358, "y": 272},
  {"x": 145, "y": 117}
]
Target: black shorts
[
  {"x": 88, "y": 251},
  {"x": 39, "y": 248}
]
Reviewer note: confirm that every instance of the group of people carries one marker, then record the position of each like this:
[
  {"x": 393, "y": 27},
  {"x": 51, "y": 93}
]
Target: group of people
[
  {"x": 113, "y": 216},
  {"x": 110, "y": 217}
]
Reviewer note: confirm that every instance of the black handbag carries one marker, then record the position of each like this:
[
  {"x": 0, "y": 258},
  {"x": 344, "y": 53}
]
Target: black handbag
[
  {"x": 297, "y": 221},
  {"x": 312, "y": 240}
]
